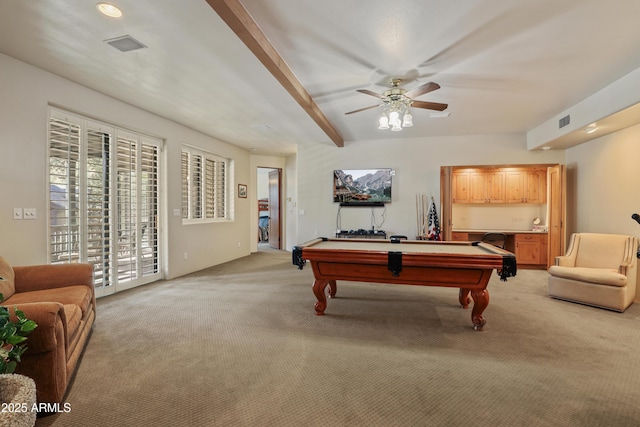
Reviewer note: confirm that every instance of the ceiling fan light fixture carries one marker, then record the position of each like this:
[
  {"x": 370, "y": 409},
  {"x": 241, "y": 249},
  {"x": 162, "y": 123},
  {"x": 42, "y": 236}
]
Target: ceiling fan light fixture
[
  {"x": 407, "y": 120},
  {"x": 394, "y": 117},
  {"x": 398, "y": 102},
  {"x": 384, "y": 122}
]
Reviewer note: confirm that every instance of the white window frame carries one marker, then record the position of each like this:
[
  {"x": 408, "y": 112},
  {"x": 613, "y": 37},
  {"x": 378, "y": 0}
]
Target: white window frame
[{"x": 206, "y": 186}]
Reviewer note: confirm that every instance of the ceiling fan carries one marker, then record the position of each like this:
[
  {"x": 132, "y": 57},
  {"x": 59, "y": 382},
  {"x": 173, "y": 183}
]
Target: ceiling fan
[
  {"x": 400, "y": 95},
  {"x": 396, "y": 102}
]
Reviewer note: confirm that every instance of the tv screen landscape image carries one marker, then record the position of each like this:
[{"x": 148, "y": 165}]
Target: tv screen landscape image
[{"x": 362, "y": 186}]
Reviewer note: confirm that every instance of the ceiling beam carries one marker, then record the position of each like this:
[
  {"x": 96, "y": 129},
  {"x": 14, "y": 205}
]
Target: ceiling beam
[{"x": 238, "y": 19}]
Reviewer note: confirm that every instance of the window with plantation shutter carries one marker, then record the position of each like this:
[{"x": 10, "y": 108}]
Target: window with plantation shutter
[
  {"x": 204, "y": 186},
  {"x": 103, "y": 198},
  {"x": 64, "y": 191}
]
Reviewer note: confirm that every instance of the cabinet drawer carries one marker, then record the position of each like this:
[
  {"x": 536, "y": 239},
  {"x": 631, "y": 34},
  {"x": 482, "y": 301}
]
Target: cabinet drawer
[
  {"x": 529, "y": 237},
  {"x": 460, "y": 237}
]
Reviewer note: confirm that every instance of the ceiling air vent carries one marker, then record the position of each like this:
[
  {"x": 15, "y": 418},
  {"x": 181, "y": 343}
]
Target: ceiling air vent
[
  {"x": 125, "y": 43},
  {"x": 564, "y": 121}
]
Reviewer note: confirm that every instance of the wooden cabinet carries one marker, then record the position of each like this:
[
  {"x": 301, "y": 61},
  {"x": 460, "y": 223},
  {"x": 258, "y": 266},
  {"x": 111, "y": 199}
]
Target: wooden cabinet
[
  {"x": 495, "y": 186},
  {"x": 531, "y": 250},
  {"x": 460, "y": 187},
  {"x": 526, "y": 186},
  {"x": 536, "y": 186},
  {"x": 478, "y": 186},
  {"x": 502, "y": 185}
]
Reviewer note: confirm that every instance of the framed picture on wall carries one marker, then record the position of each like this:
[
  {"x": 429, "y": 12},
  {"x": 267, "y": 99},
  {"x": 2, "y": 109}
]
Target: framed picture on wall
[{"x": 242, "y": 191}]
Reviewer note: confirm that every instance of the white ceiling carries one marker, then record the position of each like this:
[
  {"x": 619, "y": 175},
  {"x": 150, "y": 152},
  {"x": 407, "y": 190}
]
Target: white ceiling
[{"x": 503, "y": 66}]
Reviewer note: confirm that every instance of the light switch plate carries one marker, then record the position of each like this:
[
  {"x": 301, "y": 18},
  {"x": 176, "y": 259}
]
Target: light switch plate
[
  {"x": 17, "y": 213},
  {"x": 30, "y": 213}
]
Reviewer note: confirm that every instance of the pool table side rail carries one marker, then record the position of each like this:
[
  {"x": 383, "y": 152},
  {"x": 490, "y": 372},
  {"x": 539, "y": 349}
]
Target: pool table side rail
[{"x": 494, "y": 258}]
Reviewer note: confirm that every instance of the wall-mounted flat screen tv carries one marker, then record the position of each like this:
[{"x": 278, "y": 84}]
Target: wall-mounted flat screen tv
[{"x": 362, "y": 187}]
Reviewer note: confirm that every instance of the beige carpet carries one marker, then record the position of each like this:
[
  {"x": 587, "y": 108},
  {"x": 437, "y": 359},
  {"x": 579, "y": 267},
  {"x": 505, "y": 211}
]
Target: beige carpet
[{"x": 240, "y": 345}]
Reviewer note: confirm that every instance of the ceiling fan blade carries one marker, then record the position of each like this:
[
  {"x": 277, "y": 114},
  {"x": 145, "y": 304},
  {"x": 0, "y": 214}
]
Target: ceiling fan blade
[
  {"x": 362, "y": 109},
  {"x": 369, "y": 92},
  {"x": 429, "y": 105},
  {"x": 422, "y": 89}
]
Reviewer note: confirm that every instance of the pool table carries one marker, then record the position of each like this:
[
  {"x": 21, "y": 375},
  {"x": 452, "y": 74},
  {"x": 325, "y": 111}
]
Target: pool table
[{"x": 464, "y": 265}]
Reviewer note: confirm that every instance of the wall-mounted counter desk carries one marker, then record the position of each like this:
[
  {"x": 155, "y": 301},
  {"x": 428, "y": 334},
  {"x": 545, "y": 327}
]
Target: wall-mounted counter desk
[{"x": 530, "y": 247}]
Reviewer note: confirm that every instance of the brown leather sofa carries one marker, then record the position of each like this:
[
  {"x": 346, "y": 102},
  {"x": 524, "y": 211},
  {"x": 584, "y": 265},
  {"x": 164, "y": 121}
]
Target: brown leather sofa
[{"x": 61, "y": 300}]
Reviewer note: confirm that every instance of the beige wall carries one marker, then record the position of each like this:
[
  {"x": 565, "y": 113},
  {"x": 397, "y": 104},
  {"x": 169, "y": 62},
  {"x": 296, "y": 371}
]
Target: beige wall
[
  {"x": 27, "y": 93},
  {"x": 603, "y": 180},
  {"x": 417, "y": 165}
]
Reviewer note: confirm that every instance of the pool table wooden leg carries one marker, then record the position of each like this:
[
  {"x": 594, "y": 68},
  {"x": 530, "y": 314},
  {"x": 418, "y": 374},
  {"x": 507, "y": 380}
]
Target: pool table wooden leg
[
  {"x": 463, "y": 298},
  {"x": 333, "y": 288},
  {"x": 318, "y": 290},
  {"x": 480, "y": 302}
]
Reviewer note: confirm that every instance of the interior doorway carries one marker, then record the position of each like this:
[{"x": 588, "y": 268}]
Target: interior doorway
[{"x": 269, "y": 188}]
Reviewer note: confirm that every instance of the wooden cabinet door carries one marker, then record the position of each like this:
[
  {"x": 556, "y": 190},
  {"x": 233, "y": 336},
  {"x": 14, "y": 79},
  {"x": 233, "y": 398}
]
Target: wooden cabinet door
[
  {"x": 557, "y": 202},
  {"x": 536, "y": 187},
  {"x": 529, "y": 249},
  {"x": 514, "y": 186},
  {"x": 526, "y": 186},
  {"x": 460, "y": 187},
  {"x": 478, "y": 187},
  {"x": 496, "y": 186}
]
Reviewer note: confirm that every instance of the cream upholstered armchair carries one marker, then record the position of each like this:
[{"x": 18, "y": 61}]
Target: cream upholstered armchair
[{"x": 598, "y": 270}]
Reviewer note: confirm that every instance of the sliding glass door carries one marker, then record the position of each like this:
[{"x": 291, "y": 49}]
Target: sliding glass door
[{"x": 103, "y": 201}]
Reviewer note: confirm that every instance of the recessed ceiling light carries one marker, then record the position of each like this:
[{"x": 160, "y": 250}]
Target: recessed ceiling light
[
  {"x": 591, "y": 128},
  {"x": 546, "y": 147},
  {"x": 109, "y": 10}
]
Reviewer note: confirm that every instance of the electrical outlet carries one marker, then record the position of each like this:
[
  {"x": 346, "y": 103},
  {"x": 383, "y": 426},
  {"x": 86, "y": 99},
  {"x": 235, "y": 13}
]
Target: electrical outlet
[{"x": 17, "y": 213}]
